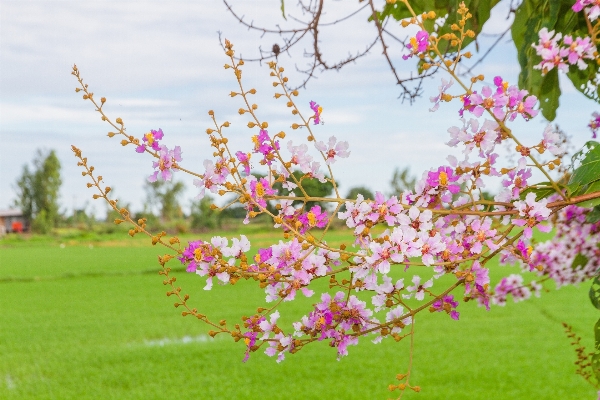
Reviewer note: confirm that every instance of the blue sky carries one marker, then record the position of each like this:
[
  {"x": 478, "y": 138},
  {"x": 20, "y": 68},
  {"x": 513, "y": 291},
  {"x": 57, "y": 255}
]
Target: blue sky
[{"x": 160, "y": 65}]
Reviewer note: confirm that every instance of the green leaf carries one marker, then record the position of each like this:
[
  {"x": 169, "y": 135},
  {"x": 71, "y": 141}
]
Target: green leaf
[
  {"x": 283, "y": 9},
  {"x": 541, "y": 190},
  {"x": 479, "y": 9},
  {"x": 593, "y": 187},
  {"x": 593, "y": 216},
  {"x": 596, "y": 356},
  {"x": 584, "y": 152},
  {"x": 587, "y": 172},
  {"x": 530, "y": 17},
  {"x": 595, "y": 294},
  {"x": 549, "y": 94},
  {"x": 578, "y": 262}
]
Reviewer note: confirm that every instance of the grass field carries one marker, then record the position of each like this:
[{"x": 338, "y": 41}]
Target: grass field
[{"x": 90, "y": 320}]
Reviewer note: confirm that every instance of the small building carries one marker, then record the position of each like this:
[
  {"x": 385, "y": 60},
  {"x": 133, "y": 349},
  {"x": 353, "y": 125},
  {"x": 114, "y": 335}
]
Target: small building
[{"x": 12, "y": 221}]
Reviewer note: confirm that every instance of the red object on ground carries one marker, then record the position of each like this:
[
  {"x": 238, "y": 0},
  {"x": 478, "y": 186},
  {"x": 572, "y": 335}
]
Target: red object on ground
[{"x": 17, "y": 227}]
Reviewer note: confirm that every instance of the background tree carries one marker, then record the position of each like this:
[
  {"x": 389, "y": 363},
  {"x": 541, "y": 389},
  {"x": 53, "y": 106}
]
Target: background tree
[
  {"x": 38, "y": 191},
  {"x": 402, "y": 180},
  {"x": 355, "y": 191},
  {"x": 165, "y": 196},
  {"x": 313, "y": 188},
  {"x": 204, "y": 217}
]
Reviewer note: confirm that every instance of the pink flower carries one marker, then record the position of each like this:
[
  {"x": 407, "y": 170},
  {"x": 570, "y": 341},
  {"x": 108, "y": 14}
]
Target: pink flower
[
  {"x": 593, "y": 12},
  {"x": 300, "y": 156},
  {"x": 333, "y": 149},
  {"x": 535, "y": 212},
  {"x": 442, "y": 89},
  {"x": 211, "y": 179},
  {"x": 578, "y": 50},
  {"x": 552, "y": 141},
  {"x": 167, "y": 160},
  {"x": 418, "y": 288}
]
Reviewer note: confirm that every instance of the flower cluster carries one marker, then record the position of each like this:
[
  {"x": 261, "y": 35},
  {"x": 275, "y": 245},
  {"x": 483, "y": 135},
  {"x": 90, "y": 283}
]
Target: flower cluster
[
  {"x": 592, "y": 12},
  {"x": 265, "y": 146},
  {"x": 446, "y": 304},
  {"x": 336, "y": 319},
  {"x": 572, "y": 51},
  {"x": 504, "y": 102}
]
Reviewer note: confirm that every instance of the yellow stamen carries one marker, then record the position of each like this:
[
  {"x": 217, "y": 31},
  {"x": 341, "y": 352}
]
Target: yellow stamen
[
  {"x": 260, "y": 190},
  {"x": 149, "y": 138},
  {"x": 312, "y": 219},
  {"x": 443, "y": 178},
  {"x": 413, "y": 43}
]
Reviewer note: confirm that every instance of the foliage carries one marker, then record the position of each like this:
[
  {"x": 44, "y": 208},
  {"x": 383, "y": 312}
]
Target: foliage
[
  {"x": 445, "y": 9},
  {"x": 204, "y": 216},
  {"x": 365, "y": 192},
  {"x": 165, "y": 195},
  {"x": 402, "y": 180},
  {"x": 312, "y": 186},
  {"x": 38, "y": 191}
]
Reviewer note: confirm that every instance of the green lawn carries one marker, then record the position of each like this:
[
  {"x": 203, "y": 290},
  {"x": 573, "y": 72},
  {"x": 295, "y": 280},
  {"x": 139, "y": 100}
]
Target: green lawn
[{"x": 93, "y": 322}]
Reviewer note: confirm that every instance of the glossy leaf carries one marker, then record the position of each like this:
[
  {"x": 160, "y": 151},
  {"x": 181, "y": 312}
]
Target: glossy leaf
[
  {"x": 541, "y": 190},
  {"x": 593, "y": 187},
  {"x": 579, "y": 261},
  {"x": 596, "y": 356},
  {"x": 586, "y": 173},
  {"x": 480, "y": 10},
  {"x": 593, "y": 216},
  {"x": 595, "y": 292}
]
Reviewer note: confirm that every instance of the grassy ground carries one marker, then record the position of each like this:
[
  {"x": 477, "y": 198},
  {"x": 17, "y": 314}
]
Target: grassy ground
[{"x": 90, "y": 320}]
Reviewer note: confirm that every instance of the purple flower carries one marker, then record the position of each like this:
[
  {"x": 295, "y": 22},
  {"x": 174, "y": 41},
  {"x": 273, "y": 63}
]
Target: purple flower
[
  {"x": 594, "y": 124},
  {"x": 244, "y": 159},
  {"x": 314, "y": 218},
  {"x": 446, "y": 304},
  {"x": 259, "y": 189},
  {"x": 443, "y": 178},
  {"x": 417, "y": 44},
  {"x": 317, "y": 110},
  {"x": 151, "y": 138},
  {"x": 266, "y": 147}
]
